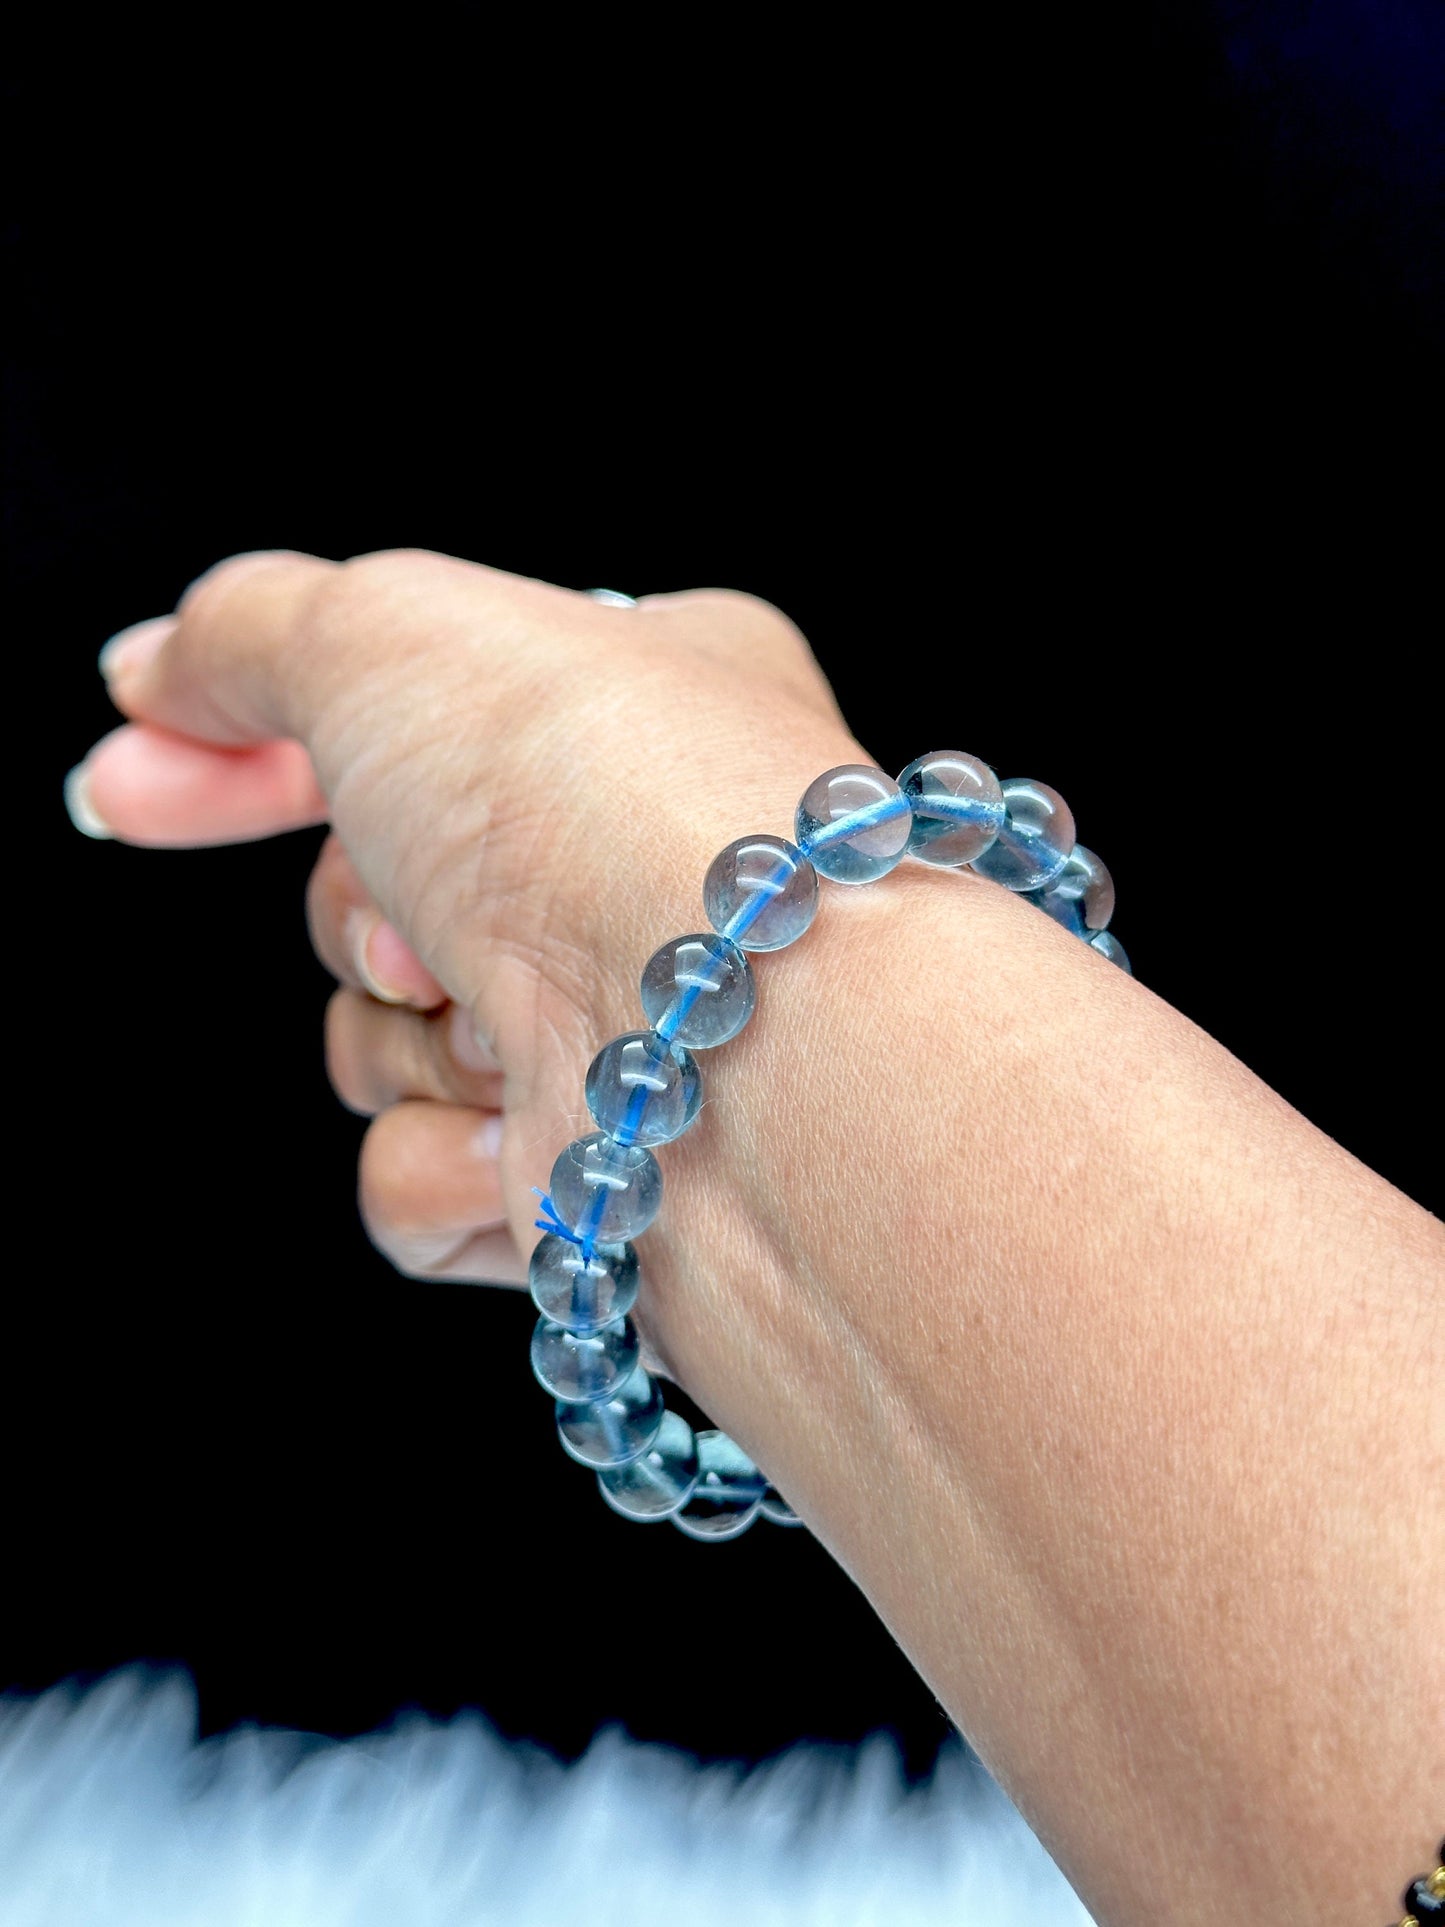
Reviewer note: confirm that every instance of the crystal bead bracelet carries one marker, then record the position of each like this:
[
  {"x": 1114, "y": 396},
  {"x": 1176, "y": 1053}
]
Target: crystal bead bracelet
[{"x": 852, "y": 826}]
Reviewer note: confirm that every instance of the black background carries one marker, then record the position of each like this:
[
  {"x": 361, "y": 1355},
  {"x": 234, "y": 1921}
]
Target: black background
[{"x": 1076, "y": 388}]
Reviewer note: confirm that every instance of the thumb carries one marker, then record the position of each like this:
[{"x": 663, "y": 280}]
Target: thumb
[{"x": 228, "y": 667}]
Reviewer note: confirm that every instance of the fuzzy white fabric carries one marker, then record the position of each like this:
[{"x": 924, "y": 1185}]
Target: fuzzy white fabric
[{"x": 112, "y": 1816}]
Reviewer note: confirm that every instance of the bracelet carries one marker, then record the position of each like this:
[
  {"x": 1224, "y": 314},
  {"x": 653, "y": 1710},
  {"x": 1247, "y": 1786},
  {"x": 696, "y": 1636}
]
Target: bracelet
[
  {"x": 1425, "y": 1897},
  {"x": 853, "y": 825}
]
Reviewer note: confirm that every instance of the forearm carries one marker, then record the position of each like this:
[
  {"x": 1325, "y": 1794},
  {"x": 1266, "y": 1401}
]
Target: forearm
[{"x": 1107, "y": 1376}]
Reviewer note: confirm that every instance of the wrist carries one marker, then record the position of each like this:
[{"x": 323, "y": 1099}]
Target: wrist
[{"x": 783, "y": 1273}]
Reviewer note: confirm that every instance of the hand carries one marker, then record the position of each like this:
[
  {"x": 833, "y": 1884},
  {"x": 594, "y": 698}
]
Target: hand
[{"x": 525, "y": 789}]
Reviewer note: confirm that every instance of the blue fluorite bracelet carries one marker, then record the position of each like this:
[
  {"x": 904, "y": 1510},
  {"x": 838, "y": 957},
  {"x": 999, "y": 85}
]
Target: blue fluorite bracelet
[{"x": 853, "y": 825}]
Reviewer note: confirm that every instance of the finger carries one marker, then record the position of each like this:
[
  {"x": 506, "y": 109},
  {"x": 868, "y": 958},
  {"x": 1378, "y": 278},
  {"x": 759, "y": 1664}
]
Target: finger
[
  {"x": 377, "y": 1056},
  {"x": 431, "y": 1195},
  {"x": 149, "y": 786},
  {"x": 262, "y": 645},
  {"x": 490, "y": 1258},
  {"x": 356, "y": 943},
  {"x": 229, "y": 666}
]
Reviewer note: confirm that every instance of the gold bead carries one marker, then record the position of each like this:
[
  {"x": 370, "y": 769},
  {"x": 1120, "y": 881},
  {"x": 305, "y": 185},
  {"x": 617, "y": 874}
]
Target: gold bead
[
  {"x": 1435, "y": 1885},
  {"x": 1409, "y": 1921}
]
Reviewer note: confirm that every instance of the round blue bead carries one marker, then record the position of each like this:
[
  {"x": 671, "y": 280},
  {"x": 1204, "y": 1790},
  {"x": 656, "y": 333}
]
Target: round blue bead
[
  {"x": 606, "y": 1191},
  {"x": 760, "y": 892},
  {"x": 858, "y": 795},
  {"x": 958, "y": 807},
  {"x": 698, "y": 991},
  {"x": 582, "y": 1367},
  {"x": 579, "y": 1293},
  {"x": 615, "y": 1429},
  {"x": 659, "y": 1480},
  {"x": 729, "y": 1492},
  {"x": 1036, "y": 838},
  {"x": 1108, "y": 945},
  {"x": 642, "y": 1090},
  {"x": 1065, "y": 911},
  {"x": 1081, "y": 896}
]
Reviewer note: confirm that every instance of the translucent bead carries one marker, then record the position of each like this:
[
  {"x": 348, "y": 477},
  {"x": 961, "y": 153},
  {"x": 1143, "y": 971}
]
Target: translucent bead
[
  {"x": 698, "y": 991},
  {"x": 606, "y": 1191},
  {"x": 582, "y": 1367},
  {"x": 657, "y": 1481},
  {"x": 1064, "y": 911},
  {"x": 616, "y": 1429},
  {"x": 729, "y": 1491},
  {"x": 642, "y": 1090},
  {"x": 873, "y": 804},
  {"x": 1036, "y": 838},
  {"x": 958, "y": 807},
  {"x": 760, "y": 892},
  {"x": 1108, "y": 945},
  {"x": 776, "y": 1508},
  {"x": 579, "y": 1293},
  {"x": 1081, "y": 896}
]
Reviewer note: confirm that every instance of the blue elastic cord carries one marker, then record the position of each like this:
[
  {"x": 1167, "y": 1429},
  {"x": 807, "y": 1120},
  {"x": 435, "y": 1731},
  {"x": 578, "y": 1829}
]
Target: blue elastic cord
[
  {"x": 626, "y": 1131},
  {"x": 958, "y": 809},
  {"x": 588, "y": 1239},
  {"x": 764, "y": 890},
  {"x": 857, "y": 821},
  {"x": 672, "y": 1020}
]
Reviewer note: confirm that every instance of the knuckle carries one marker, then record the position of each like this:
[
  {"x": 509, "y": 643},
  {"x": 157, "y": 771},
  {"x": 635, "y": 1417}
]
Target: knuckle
[
  {"x": 325, "y": 901},
  {"x": 368, "y": 599},
  {"x": 413, "y": 1052},
  {"x": 733, "y": 625},
  {"x": 338, "y": 602},
  {"x": 205, "y": 598},
  {"x": 386, "y": 1188},
  {"x": 343, "y": 1065},
  {"x": 390, "y": 561},
  {"x": 751, "y": 615},
  {"x": 391, "y": 1192},
  {"x": 417, "y": 1263},
  {"x": 388, "y": 569}
]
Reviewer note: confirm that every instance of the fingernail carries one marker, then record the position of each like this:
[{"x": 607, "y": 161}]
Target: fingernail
[
  {"x": 487, "y": 1138},
  {"x": 364, "y": 927},
  {"x": 471, "y": 1050},
  {"x": 82, "y": 811},
  {"x": 133, "y": 648}
]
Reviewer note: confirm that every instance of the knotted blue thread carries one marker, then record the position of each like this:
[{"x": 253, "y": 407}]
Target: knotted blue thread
[
  {"x": 550, "y": 1222},
  {"x": 585, "y": 1239}
]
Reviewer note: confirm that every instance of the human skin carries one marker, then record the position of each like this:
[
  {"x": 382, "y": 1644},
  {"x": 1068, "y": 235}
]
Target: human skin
[{"x": 1108, "y": 1377}]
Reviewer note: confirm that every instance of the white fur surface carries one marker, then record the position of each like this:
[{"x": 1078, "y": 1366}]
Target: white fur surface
[{"x": 112, "y": 1816}]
